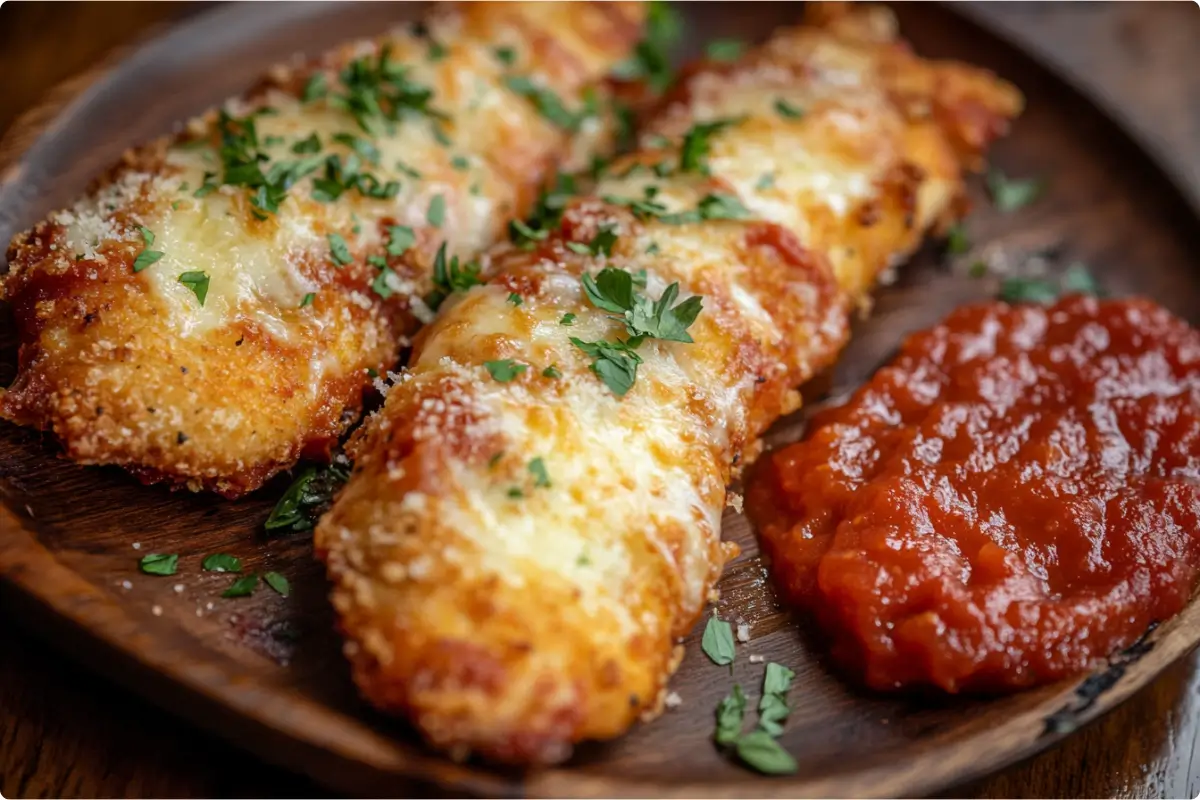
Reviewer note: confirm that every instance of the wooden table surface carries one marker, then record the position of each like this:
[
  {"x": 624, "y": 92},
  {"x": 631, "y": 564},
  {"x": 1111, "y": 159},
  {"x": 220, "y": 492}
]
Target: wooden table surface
[{"x": 66, "y": 733}]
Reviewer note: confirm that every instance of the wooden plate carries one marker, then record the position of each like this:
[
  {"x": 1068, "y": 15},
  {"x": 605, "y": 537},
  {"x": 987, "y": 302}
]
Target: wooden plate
[{"x": 267, "y": 672}]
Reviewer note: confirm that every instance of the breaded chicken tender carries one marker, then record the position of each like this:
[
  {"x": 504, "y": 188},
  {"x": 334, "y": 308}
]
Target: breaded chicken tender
[
  {"x": 216, "y": 306},
  {"x": 533, "y": 521}
]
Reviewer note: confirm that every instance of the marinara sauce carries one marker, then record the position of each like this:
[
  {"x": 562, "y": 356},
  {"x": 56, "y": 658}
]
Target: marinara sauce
[{"x": 1015, "y": 497}]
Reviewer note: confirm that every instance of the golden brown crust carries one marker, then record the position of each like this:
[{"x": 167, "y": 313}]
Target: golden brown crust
[{"x": 134, "y": 369}]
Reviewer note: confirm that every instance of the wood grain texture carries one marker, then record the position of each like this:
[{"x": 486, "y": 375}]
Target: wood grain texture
[{"x": 1148, "y": 747}]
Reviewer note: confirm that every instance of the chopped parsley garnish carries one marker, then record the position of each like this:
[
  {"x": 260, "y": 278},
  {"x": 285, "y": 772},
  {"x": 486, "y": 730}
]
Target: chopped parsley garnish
[
  {"x": 436, "y": 214},
  {"x": 308, "y": 497},
  {"x": 278, "y": 583},
  {"x": 515, "y": 493},
  {"x": 759, "y": 750},
  {"x": 693, "y": 153},
  {"x": 159, "y": 563},
  {"x": 600, "y": 245},
  {"x": 460, "y": 163},
  {"x": 1078, "y": 280},
  {"x": 440, "y": 136},
  {"x": 788, "y": 111},
  {"x": 613, "y": 290},
  {"x": 273, "y": 141},
  {"x": 978, "y": 269},
  {"x": 495, "y": 459},
  {"x": 221, "y": 562},
  {"x": 339, "y": 251},
  {"x": 515, "y": 298},
  {"x": 450, "y": 277},
  {"x": 145, "y": 259},
  {"x": 650, "y": 61},
  {"x": 381, "y": 285},
  {"x": 717, "y": 642},
  {"x": 731, "y": 713},
  {"x": 712, "y": 206},
  {"x": 1009, "y": 194},
  {"x": 773, "y": 708},
  {"x": 207, "y": 186},
  {"x": 378, "y": 94},
  {"x": 242, "y": 587},
  {"x": 1075, "y": 280},
  {"x": 765, "y": 181},
  {"x": 505, "y": 55},
  {"x": 957, "y": 242},
  {"x": 308, "y": 299},
  {"x": 504, "y": 370},
  {"x": 725, "y": 49},
  {"x": 551, "y": 372},
  {"x": 541, "y": 478},
  {"x": 567, "y": 319},
  {"x": 615, "y": 363},
  {"x": 147, "y": 236},
  {"x": 400, "y": 238},
  {"x": 197, "y": 281},
  {"x": 407, "y": 170},
  {"x": 363, "y": 147},
  {"x": 314, "y": 88},
  {"x": 437, "y": 51},
  {"x": 312, "y": 144},
  {"x": 652, "y": 248},
  {"x": 546, "y": 214},
  {"x": 549, "y": 104}
]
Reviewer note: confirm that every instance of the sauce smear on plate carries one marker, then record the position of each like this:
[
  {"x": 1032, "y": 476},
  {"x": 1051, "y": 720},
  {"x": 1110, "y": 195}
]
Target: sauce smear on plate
[{"x": 1015, "y": 497}]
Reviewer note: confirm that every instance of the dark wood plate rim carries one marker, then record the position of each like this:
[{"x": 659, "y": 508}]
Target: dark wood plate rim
[{"x": 291, "y": 730}]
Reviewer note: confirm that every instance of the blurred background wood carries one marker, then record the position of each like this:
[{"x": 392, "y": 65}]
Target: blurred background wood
[{"x": 65, "y": 732}]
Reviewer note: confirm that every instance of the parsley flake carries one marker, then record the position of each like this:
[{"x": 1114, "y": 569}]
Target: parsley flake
[
  {"x": 697, "y": 142},
  {"x": 436, "y": 214},
  {"x": 788, "y": 111},
  {"x": 541, "y": 478},
  {"x": 311, "y": 144},
  {"x": 339, "y": 251},
  {"x": 315, "y": 88},
  {"x": 725, "y": 49},
  {"x": 957, "y": 242},
  {"x": 551, "y": 372},
  {"x": 731, "y": 714},
  {"x": 515, "y": 298},
  {"x": 221, "y": 562},
  {"x": 548, "y": 104},
  {"x": 717, "y": 642},
  {"x": 242, "y": 587},
  {"x": 147, "y": 236},
  {"x": 278, "y": 583},
  {"x": 145, "y": 259},
  {"x": 450, "y": 277},
  {"x": 651, "y": 61},
  {"x": 308, "y": 299},
  {"x": 505, "y": 55},
  {"x": 159, "y": 563},
  {"x": 567, "y": 319},
  {"x": 308, "y": 497},
  {"x": 400, "y": 238},
  {"x": 1009, "y": 194},
  {"x": 196, "y": 281},
  {"x": 504, "y": 370},
  {"x": 759, "y": 750},
  {"x": 615, "y": 363}
]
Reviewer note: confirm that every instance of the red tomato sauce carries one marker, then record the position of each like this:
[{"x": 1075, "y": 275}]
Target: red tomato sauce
[{"x": 1011, "y": 500}]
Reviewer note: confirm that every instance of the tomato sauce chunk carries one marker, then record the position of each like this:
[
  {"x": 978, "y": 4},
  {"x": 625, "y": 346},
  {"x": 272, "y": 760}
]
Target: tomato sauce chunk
[{"x": 1011, "y": 500}]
